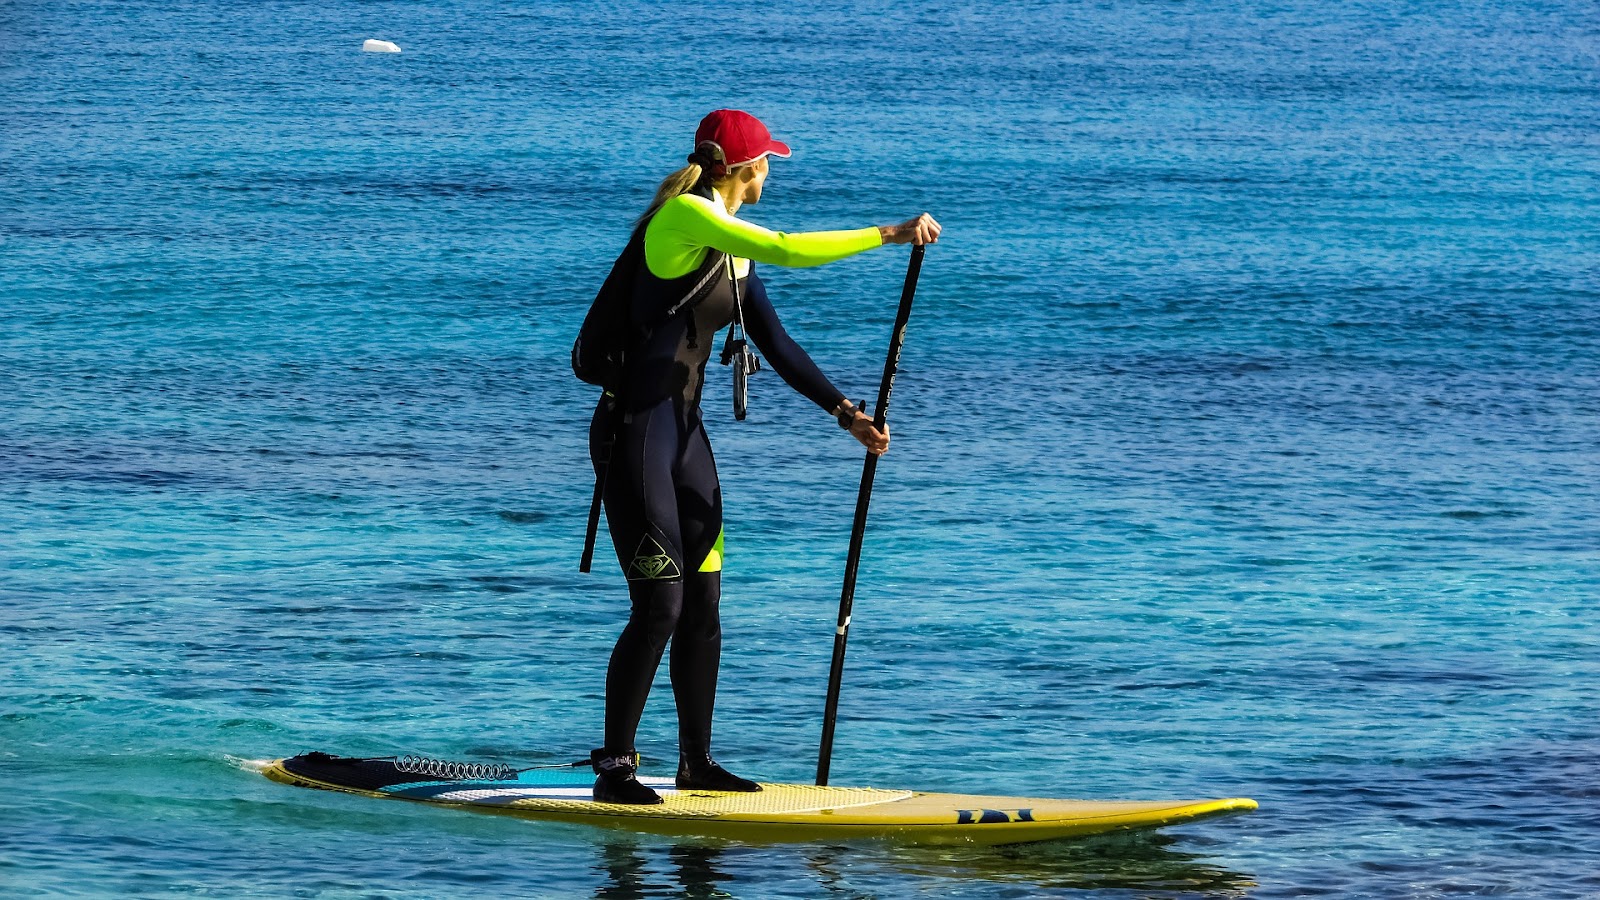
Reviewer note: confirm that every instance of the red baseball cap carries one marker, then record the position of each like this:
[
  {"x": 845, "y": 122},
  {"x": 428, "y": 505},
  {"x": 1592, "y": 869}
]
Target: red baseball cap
[{"x": 741, "y": 136}]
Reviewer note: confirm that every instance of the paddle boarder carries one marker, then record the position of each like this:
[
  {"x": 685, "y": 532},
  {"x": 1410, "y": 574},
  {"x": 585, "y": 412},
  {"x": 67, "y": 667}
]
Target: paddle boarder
[{"x": 662, "y": 500}]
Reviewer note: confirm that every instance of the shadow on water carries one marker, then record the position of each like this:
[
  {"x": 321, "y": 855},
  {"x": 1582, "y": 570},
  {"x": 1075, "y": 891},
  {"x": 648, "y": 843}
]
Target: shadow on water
[{"x": 1145, "y": 863}]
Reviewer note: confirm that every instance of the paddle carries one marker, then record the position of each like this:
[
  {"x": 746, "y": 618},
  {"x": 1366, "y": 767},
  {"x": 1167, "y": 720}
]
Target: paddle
[{"x": 858, "y": 531}]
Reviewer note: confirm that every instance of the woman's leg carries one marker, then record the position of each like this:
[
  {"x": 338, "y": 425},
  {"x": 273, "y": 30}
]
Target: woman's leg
[
  {"x": 642, "y": 516},
  {"x": 696, "y": 656},
  {"x": 637, "y": 655},
  {"x": 697, "y": 640}
]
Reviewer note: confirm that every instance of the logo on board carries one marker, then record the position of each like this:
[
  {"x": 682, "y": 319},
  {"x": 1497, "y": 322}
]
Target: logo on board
[{"x": 993, "y": 816}]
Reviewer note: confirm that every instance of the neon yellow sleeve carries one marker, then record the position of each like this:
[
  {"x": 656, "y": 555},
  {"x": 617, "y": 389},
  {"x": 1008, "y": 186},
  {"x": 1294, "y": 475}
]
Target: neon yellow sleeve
[{"x": 676, "y": 239}]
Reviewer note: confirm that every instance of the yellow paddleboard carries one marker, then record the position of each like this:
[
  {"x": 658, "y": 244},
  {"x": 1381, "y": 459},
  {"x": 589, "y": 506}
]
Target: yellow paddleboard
[{"x": 778, "y": 813}]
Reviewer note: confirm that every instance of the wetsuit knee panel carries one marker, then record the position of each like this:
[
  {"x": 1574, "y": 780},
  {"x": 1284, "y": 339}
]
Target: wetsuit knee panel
[{"x": 657, "y": 609}]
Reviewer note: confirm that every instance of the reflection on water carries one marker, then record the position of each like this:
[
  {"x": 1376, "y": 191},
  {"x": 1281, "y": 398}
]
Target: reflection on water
[
  {"x": 1149, "y": 863},
  {"x": 1144, "y": 861},
  {"x": 690, "y": 870}
]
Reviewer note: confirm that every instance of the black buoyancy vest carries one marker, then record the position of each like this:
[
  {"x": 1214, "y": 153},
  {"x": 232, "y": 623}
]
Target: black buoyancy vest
[{"x": 631, "y": 304}]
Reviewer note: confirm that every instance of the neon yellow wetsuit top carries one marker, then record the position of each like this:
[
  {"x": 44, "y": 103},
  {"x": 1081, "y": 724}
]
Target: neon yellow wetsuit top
[
  {"x": 671, "y": 359},
  {"x": 676, "y": 239}
]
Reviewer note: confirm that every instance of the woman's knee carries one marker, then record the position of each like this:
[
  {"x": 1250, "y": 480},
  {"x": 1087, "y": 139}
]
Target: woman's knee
[
  {"x": 657, "y": 608},
  {"x": 702, "y": 594}
]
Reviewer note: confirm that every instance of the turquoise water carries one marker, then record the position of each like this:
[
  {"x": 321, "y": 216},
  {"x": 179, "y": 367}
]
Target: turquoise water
[{"x": 1245, "y": 442}]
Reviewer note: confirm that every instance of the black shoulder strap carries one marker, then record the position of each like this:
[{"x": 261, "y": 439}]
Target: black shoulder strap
[
  {"x": 710, "y": 268},
  {"x": 709, "y": 271},
  {"x": 736, "y": 331}
]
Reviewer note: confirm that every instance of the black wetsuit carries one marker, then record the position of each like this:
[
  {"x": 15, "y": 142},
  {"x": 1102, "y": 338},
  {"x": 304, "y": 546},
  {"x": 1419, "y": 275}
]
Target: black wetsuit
[{"x": 663, "y": 502}]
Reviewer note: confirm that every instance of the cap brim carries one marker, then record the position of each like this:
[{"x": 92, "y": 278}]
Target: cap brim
[{"x": 778, "y": 149}]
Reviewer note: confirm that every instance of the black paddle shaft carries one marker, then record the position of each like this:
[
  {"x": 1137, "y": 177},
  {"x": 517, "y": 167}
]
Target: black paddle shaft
[{"x": 858, "y": 531}]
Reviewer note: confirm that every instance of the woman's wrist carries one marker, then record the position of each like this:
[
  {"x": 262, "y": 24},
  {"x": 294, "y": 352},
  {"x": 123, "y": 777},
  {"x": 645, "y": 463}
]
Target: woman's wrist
[
  {"x": 921, "y": 230},
  {"x": 846, "y": 413}
]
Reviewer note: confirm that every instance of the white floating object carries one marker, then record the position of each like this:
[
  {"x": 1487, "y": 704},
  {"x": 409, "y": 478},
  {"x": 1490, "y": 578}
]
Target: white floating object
[{"x": 372, "y": 46}]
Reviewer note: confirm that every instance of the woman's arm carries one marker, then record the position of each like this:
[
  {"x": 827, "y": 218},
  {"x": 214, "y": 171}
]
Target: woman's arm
[
  {"x": 786, "y": 357},
  {"x": 678, "y": 234},
  {"x": 796, "y": 367}
]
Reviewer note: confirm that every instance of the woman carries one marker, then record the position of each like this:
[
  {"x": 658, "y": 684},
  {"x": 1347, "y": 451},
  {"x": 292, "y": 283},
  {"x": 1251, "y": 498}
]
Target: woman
[{"x": 662, "y": 500}]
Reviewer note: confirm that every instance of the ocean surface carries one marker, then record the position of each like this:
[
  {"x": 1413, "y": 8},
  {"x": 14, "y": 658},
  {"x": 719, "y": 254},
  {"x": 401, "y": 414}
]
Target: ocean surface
[{"x": 1247, "y": 440}]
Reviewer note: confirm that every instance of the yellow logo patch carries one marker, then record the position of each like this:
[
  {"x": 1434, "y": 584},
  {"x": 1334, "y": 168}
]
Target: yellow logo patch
[{"x": 651, "y": 561}]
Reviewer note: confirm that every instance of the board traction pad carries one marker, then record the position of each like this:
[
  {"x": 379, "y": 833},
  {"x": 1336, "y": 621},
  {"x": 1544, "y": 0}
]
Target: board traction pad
[{"x": 570, "y": 788}]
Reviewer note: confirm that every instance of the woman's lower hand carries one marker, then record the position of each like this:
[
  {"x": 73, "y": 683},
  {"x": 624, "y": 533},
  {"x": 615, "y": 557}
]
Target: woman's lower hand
[
  {"x": 862, "y": 429},
  {"x": 924, "y": 229}
]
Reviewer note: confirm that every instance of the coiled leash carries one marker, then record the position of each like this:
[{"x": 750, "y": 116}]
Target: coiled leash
[{"x": 453, "y": 770}]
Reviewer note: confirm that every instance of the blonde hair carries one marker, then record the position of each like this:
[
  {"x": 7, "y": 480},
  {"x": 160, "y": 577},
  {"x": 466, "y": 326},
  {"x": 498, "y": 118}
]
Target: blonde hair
[
  {"x": 679, "y": 182},
  {"x": 687, "y": 178}
]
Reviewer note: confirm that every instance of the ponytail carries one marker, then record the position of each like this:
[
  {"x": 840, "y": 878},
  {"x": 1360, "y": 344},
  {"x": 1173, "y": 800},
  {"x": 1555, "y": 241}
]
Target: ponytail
[
  {"x": 680, "y": 182},
  {"x": 706, "y": 164}
]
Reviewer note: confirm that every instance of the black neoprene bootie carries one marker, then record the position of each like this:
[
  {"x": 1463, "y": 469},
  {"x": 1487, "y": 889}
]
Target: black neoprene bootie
[
  {"x": 618, "y": 781},
  {"x": 699, "y": 772}
]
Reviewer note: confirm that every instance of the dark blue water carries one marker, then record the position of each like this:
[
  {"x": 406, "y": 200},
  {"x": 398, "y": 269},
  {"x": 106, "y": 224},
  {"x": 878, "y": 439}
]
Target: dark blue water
[{"x": 1245, "y": 444}]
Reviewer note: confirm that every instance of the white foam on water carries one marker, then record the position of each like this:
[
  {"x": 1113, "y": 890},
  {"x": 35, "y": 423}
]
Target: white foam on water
[{"x": 248, "y": 765}]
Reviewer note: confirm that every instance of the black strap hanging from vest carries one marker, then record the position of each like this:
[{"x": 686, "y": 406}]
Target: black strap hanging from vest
[{"x": 615, "y": 413}]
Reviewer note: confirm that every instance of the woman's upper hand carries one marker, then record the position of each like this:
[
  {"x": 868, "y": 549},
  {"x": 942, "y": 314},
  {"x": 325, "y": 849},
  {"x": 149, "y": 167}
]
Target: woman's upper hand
[
  {"x": 876, "y": 442},
  {"x": 924, "y": 229}
]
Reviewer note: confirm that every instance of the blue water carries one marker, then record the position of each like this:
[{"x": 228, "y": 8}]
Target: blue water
[{"x": 1246, "y": 443}]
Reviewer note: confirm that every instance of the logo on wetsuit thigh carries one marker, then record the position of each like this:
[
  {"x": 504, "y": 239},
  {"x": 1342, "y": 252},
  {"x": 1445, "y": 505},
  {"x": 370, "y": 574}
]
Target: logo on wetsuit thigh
[{"x": 651, "y": 561}]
